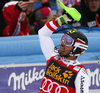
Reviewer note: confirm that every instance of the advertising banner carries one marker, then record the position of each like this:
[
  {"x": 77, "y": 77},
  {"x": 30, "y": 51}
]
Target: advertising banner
[
  {"x": 21, "y": 79},
  {"x": 27, "y": 78},
  {"x": 93, "y": 70}
]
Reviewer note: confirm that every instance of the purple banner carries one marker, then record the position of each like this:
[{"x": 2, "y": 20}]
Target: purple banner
[
  {"x": 21, "y": 79},
  {"x": 27, "y": 79},
  {"x": 94, "y": 75}
]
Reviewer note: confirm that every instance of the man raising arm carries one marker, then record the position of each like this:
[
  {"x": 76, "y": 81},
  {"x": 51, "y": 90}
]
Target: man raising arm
[{"x": 64, "y": 74}]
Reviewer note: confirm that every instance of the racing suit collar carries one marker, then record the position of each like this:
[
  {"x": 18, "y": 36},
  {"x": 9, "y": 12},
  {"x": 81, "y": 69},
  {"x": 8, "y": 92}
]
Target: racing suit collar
[{"x": 69, "y": 62}]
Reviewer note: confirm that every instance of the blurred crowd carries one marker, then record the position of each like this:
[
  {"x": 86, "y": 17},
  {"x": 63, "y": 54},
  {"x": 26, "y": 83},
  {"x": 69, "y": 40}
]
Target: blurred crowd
[{"x": 19, "y": 17}]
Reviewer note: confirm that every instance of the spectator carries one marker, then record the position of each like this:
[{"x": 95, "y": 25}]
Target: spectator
[
  {"x": 14, "y": 13},
  {"x": 90, "y": 11},
  {"x": 40, "y": 17},
  {"x": 15, "y": 18}
]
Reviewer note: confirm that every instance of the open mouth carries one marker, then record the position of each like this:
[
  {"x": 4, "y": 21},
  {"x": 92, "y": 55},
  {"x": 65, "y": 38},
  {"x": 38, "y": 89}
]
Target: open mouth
[{"x": 93, "y": 7}]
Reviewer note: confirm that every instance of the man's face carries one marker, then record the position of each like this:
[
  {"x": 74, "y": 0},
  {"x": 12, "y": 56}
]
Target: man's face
[
  {"x": 64, "y": 50},
  {"x": 94, "y": 5}
]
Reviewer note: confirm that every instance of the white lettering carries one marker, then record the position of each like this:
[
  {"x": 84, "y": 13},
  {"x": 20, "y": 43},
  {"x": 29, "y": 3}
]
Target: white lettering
[
  {"x": 25, "y": 78},
  {"x": 94, "y": 77},
  {"x": 82, "y": 85}
]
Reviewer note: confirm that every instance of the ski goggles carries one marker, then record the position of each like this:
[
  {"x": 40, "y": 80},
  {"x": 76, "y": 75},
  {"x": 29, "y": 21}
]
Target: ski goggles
[{"x": 67, "y": 40}]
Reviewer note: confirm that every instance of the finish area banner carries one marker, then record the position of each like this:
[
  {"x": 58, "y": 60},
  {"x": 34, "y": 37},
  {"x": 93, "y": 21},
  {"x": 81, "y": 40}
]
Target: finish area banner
[
  {"x": 93, "y": 70},
  {"x": 26, "y": 78}
]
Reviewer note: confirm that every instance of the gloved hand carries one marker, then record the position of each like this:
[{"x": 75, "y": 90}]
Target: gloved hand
[{"x": 64, "y": 19}]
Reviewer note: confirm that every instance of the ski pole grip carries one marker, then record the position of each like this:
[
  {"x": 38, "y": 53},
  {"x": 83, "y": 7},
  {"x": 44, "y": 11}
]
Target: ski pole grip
[{"x": 71, "y": 11}]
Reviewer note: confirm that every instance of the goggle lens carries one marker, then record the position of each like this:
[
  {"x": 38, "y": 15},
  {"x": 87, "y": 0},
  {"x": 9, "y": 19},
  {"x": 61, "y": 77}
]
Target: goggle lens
[{"x": 68, "y": 41}]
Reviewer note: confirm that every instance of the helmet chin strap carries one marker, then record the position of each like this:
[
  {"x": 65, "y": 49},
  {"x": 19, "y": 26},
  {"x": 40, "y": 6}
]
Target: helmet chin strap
[{"x": 72, "y": 53}]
